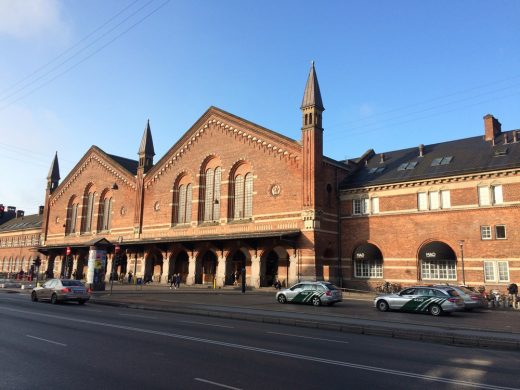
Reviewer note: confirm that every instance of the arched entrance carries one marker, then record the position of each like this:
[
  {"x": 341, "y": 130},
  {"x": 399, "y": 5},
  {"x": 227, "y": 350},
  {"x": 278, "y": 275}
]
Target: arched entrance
[
  {"x": 122, "y": 267},
  {"x": 437, "y": 261},
  {"x": 153, "y": 267},
  {"x": 179, "y": 265},
  {"x": 206, "y": 272},
  {"x": 234, "y": 268},
  {"x": 368, "y": 261},
  {"x": 271, "y": 268}
]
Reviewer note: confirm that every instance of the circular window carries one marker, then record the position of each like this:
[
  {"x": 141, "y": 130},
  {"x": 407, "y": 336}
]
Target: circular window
[
  {"x": 123, "y": 210},
  {"x": 275, "y": 190},
  {"x": 157, "y": 206}
]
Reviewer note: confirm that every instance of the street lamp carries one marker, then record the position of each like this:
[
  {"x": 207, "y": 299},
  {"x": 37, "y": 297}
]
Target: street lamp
[{"x": 461, "y": 244}]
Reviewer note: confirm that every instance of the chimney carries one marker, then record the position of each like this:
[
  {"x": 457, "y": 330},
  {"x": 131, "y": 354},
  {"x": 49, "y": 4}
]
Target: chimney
[
  {"x": 40, "y": 210},
  {"x": 514, "y": 136},
  {"x": 421, "y": 150},
  {"x": 492, "y": 127},
  {"x": 19, "y": 214},
  {"x": 382, "y": 158}
]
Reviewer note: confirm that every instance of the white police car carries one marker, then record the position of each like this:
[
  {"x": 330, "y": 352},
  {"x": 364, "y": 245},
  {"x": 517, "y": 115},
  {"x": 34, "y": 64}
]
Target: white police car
[{"x": 315, "y": 293}]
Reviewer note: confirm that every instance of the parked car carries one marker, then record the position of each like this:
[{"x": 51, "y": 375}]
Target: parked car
[
  {"x": 472, "y": 299},
  {"x": 316, "y": 293},
  {"x": 60, "y": 290},
  {"x": 435, "y": 300}
]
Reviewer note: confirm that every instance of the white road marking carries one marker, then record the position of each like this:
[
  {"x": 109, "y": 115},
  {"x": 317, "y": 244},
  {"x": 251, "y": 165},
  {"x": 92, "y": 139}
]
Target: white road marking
[
  {"x": 48, "y": 341},
  {"x": 216, "y": 384},
  {"x": 202, "y": 323},
  {"x": 136, "y": 315},
  {"x": 93, "y": 310},
  {"x": 316, "y": 359},
  {"x": 307, "y": 337}
]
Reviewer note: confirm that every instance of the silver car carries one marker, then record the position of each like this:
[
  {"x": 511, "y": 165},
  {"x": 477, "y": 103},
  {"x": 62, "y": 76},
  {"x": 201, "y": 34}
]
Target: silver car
[
  {"x": 472, "y": 299},
  {"x": 434, "y": 300},
  {"x": 316, "y": 293},
  {"x": 60, "y": 290}
]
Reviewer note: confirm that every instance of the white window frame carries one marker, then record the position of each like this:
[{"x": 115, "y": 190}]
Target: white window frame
[
  {"x": 368, "y": 269},
  {"x": 496, "y": 233},
  {"x": 494, "y": 267},
  {"x": 438, "y": 270},
  {"x": 485, "y": 229},
  {"x": 374, "y": 205},
  {"x": 497, "y": 196},
  {"x": 422, "y": 201},
  {"x": 357, "y": 206},
  {"x": 445, "y": 199},
  {"x": 484, "y": 198},
  {"x": 434, "y": 200}
]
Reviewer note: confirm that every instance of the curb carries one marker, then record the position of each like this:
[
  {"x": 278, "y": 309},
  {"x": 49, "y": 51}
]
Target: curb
[{"x": 369, "y": 330}]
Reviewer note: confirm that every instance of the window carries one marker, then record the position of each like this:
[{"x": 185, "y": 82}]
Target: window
[
  {"x": 485, "y": 232},
  {"x": 438, "y": 270},
  {"x": 490, "y": 195},
  {"x": 375, "y": 205},
  {"x": 89, "y": 213},
  {"x": 500, "y": 232},
  {"x": 434, "y": 200},
  {"x": 376, "y": 170},
  {"x": 362, "y": 206},
  {"x": 496, "y": 191},
  {"x": 445, "y": 199},
  {"x": 441, "y": 161},
  {"x": 105, "y": 214},
  {"x": 368, "y": 269},
  {"x": 422, "y": 201},
  {"x": 185, "y": 198},
  {"x": 496, "y": 271},
  {"x": 212, "y": 195},
  {"x": 243, "y": 207},
  {"x": 407, "y": 166}
]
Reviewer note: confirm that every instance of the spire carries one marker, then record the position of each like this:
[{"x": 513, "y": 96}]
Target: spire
[
  {"x": 54, "y": 172},
  {"x": 146, "y": 147},
  {"x": 53, "y": 178},
  {"x": 312, "y": 95}
]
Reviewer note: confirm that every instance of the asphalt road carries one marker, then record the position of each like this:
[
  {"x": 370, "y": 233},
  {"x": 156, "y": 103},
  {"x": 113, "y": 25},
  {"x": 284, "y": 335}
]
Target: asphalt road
[{"x": 44, "y": 346}]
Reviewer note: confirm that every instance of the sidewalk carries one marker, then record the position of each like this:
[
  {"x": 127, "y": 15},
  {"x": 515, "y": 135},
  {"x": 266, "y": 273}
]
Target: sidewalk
[{"x": 251, "y": 306}]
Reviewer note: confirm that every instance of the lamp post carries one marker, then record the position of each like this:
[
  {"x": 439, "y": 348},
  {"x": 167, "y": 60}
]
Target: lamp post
[{"x": 461, "y": 244}]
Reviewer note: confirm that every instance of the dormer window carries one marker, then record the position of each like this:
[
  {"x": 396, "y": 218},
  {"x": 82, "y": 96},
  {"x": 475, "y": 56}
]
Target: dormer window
[
  {"x": 500, "y": 152},
  {"x": 376, "y": 170},
  {"x": 407, "y": 166},
  {"x": 441, "y": 161}
]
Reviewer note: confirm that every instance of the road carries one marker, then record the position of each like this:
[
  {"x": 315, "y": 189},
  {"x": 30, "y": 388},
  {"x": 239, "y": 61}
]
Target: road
[{"x": 46, "y": 346}]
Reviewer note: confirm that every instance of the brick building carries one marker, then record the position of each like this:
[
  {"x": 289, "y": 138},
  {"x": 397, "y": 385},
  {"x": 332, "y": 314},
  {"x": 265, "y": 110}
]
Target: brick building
[{"x": 232, "y": 195}]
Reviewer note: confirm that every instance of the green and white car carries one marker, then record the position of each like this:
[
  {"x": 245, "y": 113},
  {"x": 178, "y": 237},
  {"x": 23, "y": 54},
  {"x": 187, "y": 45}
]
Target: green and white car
[
  {"x": 315, "y": 293},
  {"x": 426, "y": 299}
]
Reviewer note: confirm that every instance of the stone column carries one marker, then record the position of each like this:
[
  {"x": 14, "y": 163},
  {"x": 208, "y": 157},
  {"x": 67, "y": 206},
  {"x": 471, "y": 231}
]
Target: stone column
[
  {"x": 293, "y": 269},
  {"x": 108, "y": 270},
  {"x": 165, "y": 270},
  {"x": 75, "y": 264},
  {"x": 221, "y": 271},
  {"x": 255, "y": 271},
  {"x": 190, "y": 280}
]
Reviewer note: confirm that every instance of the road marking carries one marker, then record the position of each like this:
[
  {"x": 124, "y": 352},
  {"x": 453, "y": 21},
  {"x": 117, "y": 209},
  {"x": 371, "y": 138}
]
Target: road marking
[
  {"x": 202, "y": 323},
  {"x": 216, "y": 384},
  {"x": 316, "y": 359},
  {"x": 307, "y": 337},
  {"x": 136, "y": 315},
  {"x": 48, "y": 341},
  {"x": 93, "y": 310}
]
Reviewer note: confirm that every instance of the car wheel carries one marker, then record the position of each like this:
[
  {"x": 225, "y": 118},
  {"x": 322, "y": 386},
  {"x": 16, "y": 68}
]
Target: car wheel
[
  {"x": 54, "y": 299},
  {"x": 34, "y": 297},
  {"x": 382, "y": 305},
  {"x": 435, "y": 310},
  {"x": 316, "y": 301},
  {"x": 282, "y": 298},
  {"x": 81, "y": 302}
]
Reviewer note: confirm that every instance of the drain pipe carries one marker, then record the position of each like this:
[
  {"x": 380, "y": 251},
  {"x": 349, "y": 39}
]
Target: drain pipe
[{"x": 338, "y": 212}]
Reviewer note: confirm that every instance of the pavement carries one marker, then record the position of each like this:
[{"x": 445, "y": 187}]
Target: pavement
[{"x": 354, "y": 315}]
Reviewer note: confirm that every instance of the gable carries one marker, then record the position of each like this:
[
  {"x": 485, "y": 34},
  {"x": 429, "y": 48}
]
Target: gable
[
  {"x": 229, "y": 127},
  {"x": 95, "y": 156}
]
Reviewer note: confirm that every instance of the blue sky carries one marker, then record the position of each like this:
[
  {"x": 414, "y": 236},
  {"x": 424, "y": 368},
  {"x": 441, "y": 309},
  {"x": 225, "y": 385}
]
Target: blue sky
[{"x": 393, "y": 74}]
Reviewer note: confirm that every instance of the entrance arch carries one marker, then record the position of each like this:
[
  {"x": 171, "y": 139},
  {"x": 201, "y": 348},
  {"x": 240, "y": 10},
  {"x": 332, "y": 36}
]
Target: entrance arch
[
  {"x": 274, "y": 264},
  {"x": 234, "y": 268},
  {"x": 153, "y": 267},
  {"x": 207, "y": 268},
  {"x": 179, "y": 265},
  {"x": 437, "y": 261}
]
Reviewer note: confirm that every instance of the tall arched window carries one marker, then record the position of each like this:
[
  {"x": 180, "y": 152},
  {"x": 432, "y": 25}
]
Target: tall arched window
[
  {"x": 72, "y": 216},
  {"x": 212, "y": 194},
  {"x": 184, "y": 201},
  {"x": 89, "y": 211},
  {"x": 105, "y": 213},
  {"x": 243, "y": 207}
]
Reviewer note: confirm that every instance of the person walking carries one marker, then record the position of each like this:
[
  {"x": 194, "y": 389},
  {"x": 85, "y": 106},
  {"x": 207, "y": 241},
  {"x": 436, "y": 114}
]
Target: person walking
[
  {"x": 130, "y": 277},
  {"x": 178, "y": 280},
  {"x": 513, "y": 292},
  {"x": 173, "y": 281}
]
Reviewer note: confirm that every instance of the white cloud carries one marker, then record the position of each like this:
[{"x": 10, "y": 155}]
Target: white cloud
[{"x": 28, "y": 19}]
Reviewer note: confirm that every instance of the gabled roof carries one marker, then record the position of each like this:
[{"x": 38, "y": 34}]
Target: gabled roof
[
  {"x": 128, "y": 164},
  {"x": 469, "y": 155},
  {"x": 22, "y": 223},
  {"x": 312, "y": 94}
]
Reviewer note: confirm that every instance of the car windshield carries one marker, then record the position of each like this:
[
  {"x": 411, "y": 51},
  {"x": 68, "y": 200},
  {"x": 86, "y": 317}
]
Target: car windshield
[
  {"x": 330, "y": 286},
  {"x": 465, "y": 290},
  {"x": 70, "y": 283},
  {"x": 453, "y": 293}
]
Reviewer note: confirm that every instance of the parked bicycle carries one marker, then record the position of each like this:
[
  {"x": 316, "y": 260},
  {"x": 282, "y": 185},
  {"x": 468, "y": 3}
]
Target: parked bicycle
[{"x": 389, "y": 288}]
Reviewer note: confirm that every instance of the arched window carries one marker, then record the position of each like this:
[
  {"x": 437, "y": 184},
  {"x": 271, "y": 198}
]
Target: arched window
[
  {"x": 89, "y": 212},
  {"x": 184, "y": 201},
  {"x": 212, "y": 194},
  {"x": 105, "y": 213},
  {"x": 243, "y": 207},
  {"x": 72, "y": 217}
]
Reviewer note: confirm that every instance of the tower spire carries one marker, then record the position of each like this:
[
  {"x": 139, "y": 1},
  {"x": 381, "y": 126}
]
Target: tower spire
[
  {"x": 146, "y": 151},
  {"x": 312, "y": 95},
  {"x": 53, "y": 178}
]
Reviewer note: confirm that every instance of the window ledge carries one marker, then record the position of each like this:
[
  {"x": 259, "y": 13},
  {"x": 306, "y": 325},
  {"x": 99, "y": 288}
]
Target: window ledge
[
  {"x": 209, "y": 223},
  {"x": 238, "y": 221},
  {"x": 181, "y": 225}
]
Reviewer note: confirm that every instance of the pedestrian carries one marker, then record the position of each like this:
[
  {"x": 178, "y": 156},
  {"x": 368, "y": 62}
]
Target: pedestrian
[
  {"x": 277, "y": 285},
  {"x": 173, "y": 281},
  {"x": 235, "y": 277},
  {"x": 178, "y": 280},
  {"x": 513, "y": 292},
  {"x": 130, "y": 277}
]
